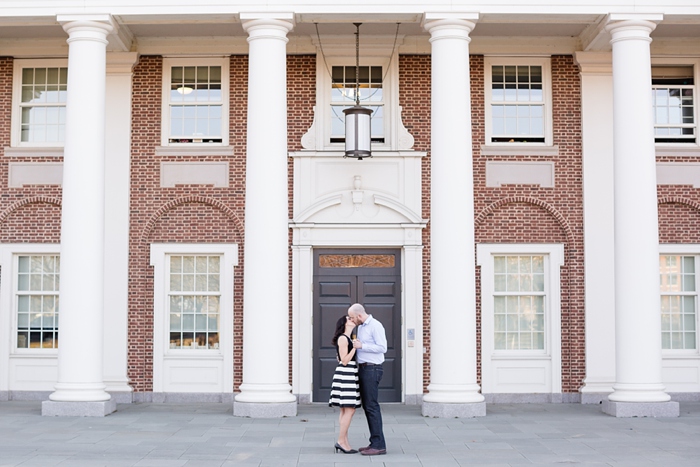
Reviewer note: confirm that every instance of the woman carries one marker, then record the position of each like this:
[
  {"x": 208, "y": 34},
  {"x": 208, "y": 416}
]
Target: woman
[{"x": 345, "y": 390}]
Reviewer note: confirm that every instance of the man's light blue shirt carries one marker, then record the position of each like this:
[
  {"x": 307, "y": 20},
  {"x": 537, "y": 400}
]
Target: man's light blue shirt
[{"x": 371, "y": 334}]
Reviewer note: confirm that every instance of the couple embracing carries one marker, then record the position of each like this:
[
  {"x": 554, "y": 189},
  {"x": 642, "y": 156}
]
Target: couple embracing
[{"x": 356, "y": 379}]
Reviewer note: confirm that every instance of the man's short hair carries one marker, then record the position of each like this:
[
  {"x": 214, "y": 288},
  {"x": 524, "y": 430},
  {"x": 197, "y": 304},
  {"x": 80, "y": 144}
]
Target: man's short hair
[{"x": 356, "y": 309}]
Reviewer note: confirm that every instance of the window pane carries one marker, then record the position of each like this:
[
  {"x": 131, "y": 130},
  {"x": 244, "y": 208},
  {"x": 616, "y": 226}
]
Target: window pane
[{"x": 37, "y": 301}]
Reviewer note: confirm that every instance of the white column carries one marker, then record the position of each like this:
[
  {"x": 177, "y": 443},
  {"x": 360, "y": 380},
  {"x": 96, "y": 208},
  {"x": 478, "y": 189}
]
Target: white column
[
  {"x": 598, "y": 223},
  {"x": 265, "y": 391},
  {"x": 80, "y": 362},
  {"x": 453, "y": 390},
  {"x": 117, "y": 192},
  {"x": 637, "y": 301}
]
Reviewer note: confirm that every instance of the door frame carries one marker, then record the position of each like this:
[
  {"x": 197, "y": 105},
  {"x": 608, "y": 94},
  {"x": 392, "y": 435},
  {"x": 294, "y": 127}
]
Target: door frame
[
  {"x": 406, "y": 237},
  {"x": 362, "y": 277}
]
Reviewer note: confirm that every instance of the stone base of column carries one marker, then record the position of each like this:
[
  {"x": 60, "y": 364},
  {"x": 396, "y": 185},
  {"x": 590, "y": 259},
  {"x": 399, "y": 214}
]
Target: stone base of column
[
  {"x": 78, "y": 409},
  {"x": 441, "y": 410},
  {"x": 264, "y": 410},
  {"x": 642, "y": 409}
]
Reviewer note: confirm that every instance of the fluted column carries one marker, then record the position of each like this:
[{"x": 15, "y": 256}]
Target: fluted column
[
  {"x": 637, "y": 303},
  {"x": 453, "y": 390},
  {"x": 80, "y": 389},
  {"x": 265, "y": 391}
]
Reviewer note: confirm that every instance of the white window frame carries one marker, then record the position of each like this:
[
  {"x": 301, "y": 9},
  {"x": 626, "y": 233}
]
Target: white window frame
[
  {"x": 41, "y": 364},
  {"x": 16, "y": 121},
  {"x": 695, "y": 63},
  {"x": 686, "y": 250},
  {"x": 219, "y": 360},
  {"x": 550, "y": 357},
  {"x": 168, "y": 63},
  {"x": 546, "y": 64},
  {"x": 341, "y": 55}
]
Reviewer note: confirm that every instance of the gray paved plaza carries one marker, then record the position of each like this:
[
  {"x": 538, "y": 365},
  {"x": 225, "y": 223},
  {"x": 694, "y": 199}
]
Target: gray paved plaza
[{"x": 172, "y": 435}]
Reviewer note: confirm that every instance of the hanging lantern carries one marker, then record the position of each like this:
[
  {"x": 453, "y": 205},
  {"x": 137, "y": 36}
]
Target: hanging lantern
[
  {"x": 358, "y": 133},
  {"x": 358, "y": 136}
]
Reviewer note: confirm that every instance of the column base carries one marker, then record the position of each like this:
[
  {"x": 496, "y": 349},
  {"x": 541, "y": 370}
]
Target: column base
[
  {"x": 641, "y": 409},
  {"x": 440, "y": 410},
  {"x": 264, "y": 410},
  {"x": 78, "y": 409}
]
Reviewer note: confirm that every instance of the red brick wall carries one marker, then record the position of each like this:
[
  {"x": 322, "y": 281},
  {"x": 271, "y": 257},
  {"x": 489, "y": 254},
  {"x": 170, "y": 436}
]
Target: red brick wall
[
  {"x": 414, "y": 98},
  {"x": 29, "y": 214},
  {"x": 301, "y": 99},
  {"x": 183, "y": 214},
  {"x": 679, "y": 208},
  {"x": 531, "y": 214},
  {"x": 515, "y": 213}
]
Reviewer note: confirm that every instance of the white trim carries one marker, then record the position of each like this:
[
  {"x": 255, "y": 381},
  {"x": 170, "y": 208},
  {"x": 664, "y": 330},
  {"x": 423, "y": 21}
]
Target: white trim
[
  {"x": 546, "y": 64},
  {"x": 547, "y": 361},
  {"x": 15, "y": 125},
  {"x": 220, "y": 360},
  {"x": 45, "y": 360},
  {"x": 168, "y": 63}
]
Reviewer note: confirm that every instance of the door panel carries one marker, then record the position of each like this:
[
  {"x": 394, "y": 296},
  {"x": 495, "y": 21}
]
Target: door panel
[{"x": 379, "y": 290}]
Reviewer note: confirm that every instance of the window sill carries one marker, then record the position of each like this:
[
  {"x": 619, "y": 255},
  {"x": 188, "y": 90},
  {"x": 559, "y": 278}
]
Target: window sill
[
  {"x": 678, "y": 150},
  {"x": 514, "y": 149},
  {"x": 194, "y": 150},
  {"x": 25, "y": 151}
]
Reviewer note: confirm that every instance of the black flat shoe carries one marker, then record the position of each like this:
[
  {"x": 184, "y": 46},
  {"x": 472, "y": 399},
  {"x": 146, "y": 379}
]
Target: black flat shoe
[{"x": 340, "y": 448}]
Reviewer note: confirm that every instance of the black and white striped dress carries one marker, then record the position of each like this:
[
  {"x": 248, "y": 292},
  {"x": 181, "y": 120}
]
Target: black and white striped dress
[{"x": 345, "y": 390}]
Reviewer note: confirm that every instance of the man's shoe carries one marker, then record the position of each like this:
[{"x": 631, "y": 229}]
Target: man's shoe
[
  {"x": 372, "y": 452},
  {"x": 364, "y": 448}
]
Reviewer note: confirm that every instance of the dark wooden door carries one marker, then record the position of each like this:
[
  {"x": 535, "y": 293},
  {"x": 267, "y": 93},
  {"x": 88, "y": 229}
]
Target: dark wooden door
[{"x": 341, "y": 278}]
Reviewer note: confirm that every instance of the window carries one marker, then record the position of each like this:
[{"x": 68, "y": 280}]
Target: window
[
  {"x": 678, "y": 301},
  {"x": 193, "y": 316},
  {"x": 518, "y": 96},
  {"x": 520, "y": 317},
  {"x": 344, "y": 94},
  {"x": 673, "y": 99},
  {"x": 195, "y": 101},
  {"x": 518, "y": 302},
  {"x": 37, "y": 301},
  {"x": 194, "y": 301},
  {"x": 40, "y": 97}
]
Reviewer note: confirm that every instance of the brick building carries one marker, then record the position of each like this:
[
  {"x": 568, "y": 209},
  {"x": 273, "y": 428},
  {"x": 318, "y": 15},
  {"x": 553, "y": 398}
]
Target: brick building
[{"x": 174, "y": 176}]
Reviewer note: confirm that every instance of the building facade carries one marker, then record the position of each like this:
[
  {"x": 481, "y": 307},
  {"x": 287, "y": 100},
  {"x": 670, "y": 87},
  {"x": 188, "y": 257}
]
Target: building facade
[{"x": 173, "y": 175}]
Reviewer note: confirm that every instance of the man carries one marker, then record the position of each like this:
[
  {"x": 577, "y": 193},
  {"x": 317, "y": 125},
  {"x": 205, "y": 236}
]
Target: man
[{"x": 371, "y": 347}]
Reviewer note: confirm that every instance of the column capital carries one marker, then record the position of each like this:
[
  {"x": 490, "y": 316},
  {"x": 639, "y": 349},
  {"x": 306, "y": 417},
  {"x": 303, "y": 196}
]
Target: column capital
[
  {"x": 632, "y": 26},
  {"x": 87, "y": 27},
  {"x": 449, "y": 25},
  {"x": 274, "y": 25}
]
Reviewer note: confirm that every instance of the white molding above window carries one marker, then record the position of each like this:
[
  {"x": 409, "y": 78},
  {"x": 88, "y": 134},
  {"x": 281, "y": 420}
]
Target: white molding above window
[
  {"x": 24, "y": 151},
  {"x": 519, "y": 149},
  {"x": 168, "y": 64},
  {"x": 545, "y": 63}
]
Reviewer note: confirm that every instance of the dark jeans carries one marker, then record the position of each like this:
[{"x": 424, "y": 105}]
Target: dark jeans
[{"x": 370, "y": 376}]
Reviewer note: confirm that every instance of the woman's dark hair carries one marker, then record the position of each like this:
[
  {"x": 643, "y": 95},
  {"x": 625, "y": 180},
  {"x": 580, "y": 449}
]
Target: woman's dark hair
[{"x": 339, "y": 328}]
